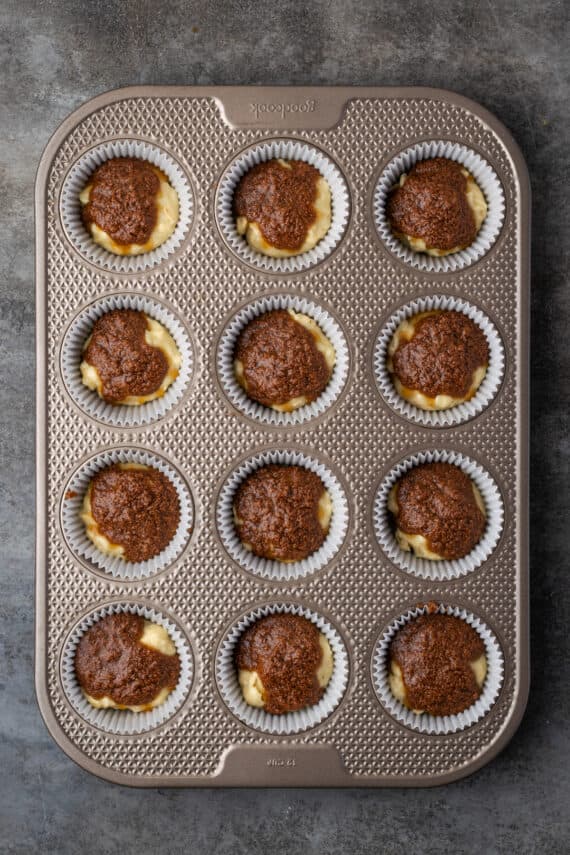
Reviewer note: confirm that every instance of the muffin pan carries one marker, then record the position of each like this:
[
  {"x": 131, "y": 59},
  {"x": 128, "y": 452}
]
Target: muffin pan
[{"x": 360, "y": 590}]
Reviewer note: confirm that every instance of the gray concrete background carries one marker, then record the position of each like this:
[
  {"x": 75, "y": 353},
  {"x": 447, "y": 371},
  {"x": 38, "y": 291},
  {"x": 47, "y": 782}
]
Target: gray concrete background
[{"x": 506, "y": 54}]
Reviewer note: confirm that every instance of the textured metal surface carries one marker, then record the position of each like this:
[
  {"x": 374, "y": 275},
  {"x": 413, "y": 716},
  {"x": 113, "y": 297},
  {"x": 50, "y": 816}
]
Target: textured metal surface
[{"x": 362, "y": 591}]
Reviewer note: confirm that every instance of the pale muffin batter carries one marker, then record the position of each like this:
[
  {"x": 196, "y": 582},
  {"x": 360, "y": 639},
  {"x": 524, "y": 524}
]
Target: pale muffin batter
[
  {"x": 437, "y": 208},
  {"x": 442, "y": 499},
  {"x": 279, "y": 367},
  {"x": 282, "y": 512},
  {"x": 129, "y": 206},
  {"x": 283, "y": 208},
  {"x": 138, "y": 511},
  {"x": 437, "y": 664},
  {"x": 129, "y": 358},
  {"x": 284, "y": 663},
  {"x": 252, "y": 687},
  {"x": 126, "y": 662},
  {"x": 437, "y": 359}
]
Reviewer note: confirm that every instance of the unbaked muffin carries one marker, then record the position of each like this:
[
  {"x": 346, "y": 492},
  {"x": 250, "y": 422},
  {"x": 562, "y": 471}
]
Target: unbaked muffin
[
  {"x": 129, "y": 358},
  {"x": 129, "y": 206},
  {"x": 131, "y": 510},
  {"x": 284, "y": 663},
  {"x": 282, "y": 512},
  {"x": 437, "y": 207},
  {"x": 283, "y": 207},
  {"x": 438, "y": 511},
  {"x": 283, "y": 360},
  {"x": 438, "y": 359},
  {"x": 437, "y": 665},
  {"x": 126, "y": 662}
]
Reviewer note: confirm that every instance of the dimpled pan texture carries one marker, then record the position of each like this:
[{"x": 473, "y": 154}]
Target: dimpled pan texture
[{"x": 359, "y": 438}]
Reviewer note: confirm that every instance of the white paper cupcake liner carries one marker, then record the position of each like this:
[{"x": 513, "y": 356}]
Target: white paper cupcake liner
[
  {"x": 78, "y": 177},
  {"x": 287, "y": 150},
  {"x": 483, "y": 175},
  {"x": 444, "y": 569},
  {"x": 122, "y": 415},
  {"x": 126, "y": 721},
  {"x": 237, "y": 395},
  {"x": 265, "y": 567},
  {"x": 74, "y": 527},
  {"x": 461, "y": 412},
  {"x": 287, "y": 723},
  {"x": 426, "y": 723}
]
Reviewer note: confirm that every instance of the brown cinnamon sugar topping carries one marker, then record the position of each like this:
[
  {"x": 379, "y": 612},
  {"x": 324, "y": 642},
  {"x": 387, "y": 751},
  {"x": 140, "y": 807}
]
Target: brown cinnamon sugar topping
[
  {"x": 126, "y": 364},
  {"x": 277, "y": 512},
  {"x": 281, "y": 360},
  {"x": 434, "y": 653},
  {"x": 138, "y": 509},
  {"x": 122, "y": 201},
  {"x": 111, "y": 661},
  {"x": 436, "y": 500},
  {"x": 285, "y": 652},
  {"x": 280, "y": 200},
  {"x": 432, "y": 205},
  {"x": 440, "y": 359}
]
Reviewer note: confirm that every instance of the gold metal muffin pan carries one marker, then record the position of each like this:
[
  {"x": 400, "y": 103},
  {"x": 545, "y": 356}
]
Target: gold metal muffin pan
[{"x": 358, "y": 591}]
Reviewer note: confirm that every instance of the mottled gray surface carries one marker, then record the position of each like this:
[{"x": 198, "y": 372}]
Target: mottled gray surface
[{"x": 506, "y": 54}]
